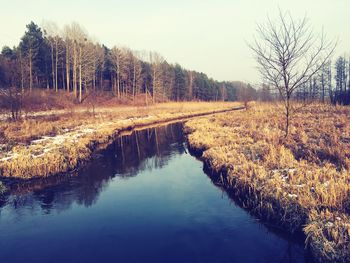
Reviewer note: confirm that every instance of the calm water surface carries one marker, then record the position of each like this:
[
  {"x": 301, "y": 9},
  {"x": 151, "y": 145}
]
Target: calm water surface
[{"x": 143, "y": 199}]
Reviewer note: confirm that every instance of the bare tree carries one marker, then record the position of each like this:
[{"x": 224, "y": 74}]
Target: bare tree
[
  {"x": 11, "y": 100},
  {"x": 52, "y": 32},
  {"x": 246, "y": 93},
  {"x": 97, "y": 62},
  {"x": 289, "y": 54},
  {"x": 77, "y": 37},
  {"x": 119, "y": 61},
  {"x": 156, "y": 61},
  {"x": 88, "y": 65},
  {"x": 137, "y": 73},
  {"x": 67, "y": 40}
]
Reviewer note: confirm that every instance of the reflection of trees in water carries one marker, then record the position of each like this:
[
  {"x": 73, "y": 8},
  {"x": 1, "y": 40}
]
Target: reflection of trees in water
[
  {"x": 147, "y": 149},
  {"x": 125, "y": 157}
]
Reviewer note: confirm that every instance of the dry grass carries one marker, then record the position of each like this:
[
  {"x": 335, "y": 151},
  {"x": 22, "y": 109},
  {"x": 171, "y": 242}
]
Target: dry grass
[
  {"x": 299, "y": 182},
  {"x": 51, "y": 144},
  {"x": 38, "y": 124}
]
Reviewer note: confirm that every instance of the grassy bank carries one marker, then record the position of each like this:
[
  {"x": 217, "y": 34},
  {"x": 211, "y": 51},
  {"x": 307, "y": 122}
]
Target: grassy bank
[
  {"x": 299, "y": 183},
  {"x": 57, "y": 143}
]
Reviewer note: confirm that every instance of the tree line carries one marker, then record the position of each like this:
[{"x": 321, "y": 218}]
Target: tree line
[
  {"x": 330, "y": 84},
  {"x": 68, "y": 59}
]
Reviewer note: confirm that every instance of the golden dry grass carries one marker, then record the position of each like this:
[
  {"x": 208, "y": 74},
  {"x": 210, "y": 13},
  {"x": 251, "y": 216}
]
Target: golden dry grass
[
  {"x": 55, "y": 122},
  {"x": 70, "y": 138},
  {"x": 299, "y": 182}
]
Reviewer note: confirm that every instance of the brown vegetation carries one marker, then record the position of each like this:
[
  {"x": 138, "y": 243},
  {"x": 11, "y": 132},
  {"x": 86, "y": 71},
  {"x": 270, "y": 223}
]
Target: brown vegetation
[
  {"x": 298, "y": 182},
  {"x": 49, "y": 144}
]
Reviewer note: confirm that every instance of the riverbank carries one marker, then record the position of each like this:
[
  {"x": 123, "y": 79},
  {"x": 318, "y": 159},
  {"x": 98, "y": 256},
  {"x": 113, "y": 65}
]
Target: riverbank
[
  {"x": 58, "y": 143},
  {"x": 146, "y": 186},
  {"x": 299, "y": 184}
]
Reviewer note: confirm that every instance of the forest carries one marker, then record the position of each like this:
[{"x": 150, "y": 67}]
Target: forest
[
  {"x": 68, "y": 59},
  {"x": 49, "y": 58}
]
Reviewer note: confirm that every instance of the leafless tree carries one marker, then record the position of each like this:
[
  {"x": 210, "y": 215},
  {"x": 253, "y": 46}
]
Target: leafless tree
[
  {"x": 120, "y": 64},
  {"x": 11, "y": 100},
  {"x": 246, "y": 93},
  {"x": 137, "y": 73},
  {"x": 289, "y": 54},
  {"x": 156, "y": 61},
  {"x": 52, "y": 32},
  {"x": 97, "y": 62}
]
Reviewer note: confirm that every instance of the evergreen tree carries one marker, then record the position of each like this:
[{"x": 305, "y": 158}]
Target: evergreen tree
[
  {"x": 180, "y": 83},
  {"x": 33, "y": 47}
]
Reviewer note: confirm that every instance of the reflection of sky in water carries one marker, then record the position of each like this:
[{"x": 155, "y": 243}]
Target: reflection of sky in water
[{"x": 145, "y": 200}]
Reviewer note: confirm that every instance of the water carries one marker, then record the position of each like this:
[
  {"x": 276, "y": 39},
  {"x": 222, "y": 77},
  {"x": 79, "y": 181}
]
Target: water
[{"x": 143, "y": 199}]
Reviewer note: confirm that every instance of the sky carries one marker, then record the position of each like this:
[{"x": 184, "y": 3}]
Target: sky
[{"x": 208, "y": 36}]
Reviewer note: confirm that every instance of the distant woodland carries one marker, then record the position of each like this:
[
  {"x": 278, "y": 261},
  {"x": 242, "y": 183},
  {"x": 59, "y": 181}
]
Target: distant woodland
[{"x": 69, "y": 60}]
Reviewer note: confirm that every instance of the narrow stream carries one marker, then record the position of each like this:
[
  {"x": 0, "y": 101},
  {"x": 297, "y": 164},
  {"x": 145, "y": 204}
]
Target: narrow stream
[{"x": 142, "y": 199}]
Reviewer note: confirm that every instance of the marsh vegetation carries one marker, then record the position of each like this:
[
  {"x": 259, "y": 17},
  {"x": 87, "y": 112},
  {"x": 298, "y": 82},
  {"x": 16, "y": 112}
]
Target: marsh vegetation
[
  {"x": 142, "y": 193},
  {"x": 299, "y": 183},
  {"x": 54, "y": 144}
]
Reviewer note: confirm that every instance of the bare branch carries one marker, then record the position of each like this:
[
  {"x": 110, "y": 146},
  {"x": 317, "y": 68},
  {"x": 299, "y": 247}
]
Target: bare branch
[{"x": 289, "y": 54}]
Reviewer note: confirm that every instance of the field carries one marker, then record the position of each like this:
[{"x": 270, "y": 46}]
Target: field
[
  {"x": 51, "y": 142},
  {"x": 298, "y": 183}
]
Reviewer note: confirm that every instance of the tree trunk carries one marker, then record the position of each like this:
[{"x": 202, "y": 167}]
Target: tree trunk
[
  {"x": 101, "y": 80},
  {"x": 22, "y": 73},
  {"x": 134, "y": 83},
  {"x": 80, "y": 82},
  {"x": 52, "y": 67},
  {"x": 56, "y": 68},
  {"x": 287, "y": 115},
  {"x": 67, "y": 67},
  {"x": 146, "y": 96},
  {"x": 30, "y": 70},
  {"x": 118, "y": 82},
  {"x": 154, "y": 86},
  {"x": 63, "y": 83},
  {"x": 75, "y": 70},
  {"x": 94, "y": 78},
  {"x": 114, "y": 84}
]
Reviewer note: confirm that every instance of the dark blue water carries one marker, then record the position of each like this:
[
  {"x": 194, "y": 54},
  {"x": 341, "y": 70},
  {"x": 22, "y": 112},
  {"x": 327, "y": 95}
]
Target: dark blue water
[{"x": 143, "y": 199}]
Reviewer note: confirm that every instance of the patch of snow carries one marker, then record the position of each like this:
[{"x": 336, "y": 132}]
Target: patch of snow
[
  {"x": 329, "y": 224},
  {"x": 48, "y": 150},
  {"x": 40, "y": 140},
  {"x": 284, "y": 177},
  {"x": 87, "y": 130},
  {"x": 9, "y": 157}
]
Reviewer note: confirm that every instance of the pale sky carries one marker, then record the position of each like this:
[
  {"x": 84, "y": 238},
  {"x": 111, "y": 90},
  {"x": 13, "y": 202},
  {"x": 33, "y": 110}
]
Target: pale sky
[{"x": 206, "y": 36}]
